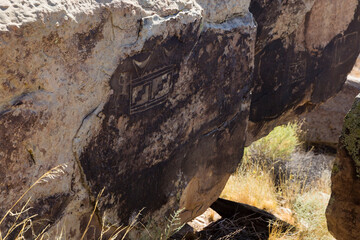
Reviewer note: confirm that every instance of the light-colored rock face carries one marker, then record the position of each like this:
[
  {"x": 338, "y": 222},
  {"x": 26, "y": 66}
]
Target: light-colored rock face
[
  {"x": 45, "y": 93},
  {"x": 218, "y": 11},
  {"x": 327, "y": 19},
  {"x": 323, "y": 125}
]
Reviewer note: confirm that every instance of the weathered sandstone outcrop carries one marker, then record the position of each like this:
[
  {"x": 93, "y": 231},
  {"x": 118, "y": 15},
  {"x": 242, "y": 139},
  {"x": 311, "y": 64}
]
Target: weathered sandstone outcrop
[
  {"x": 171, "y": 128},
  {"x": 303, "y": 62},
  {"x": 343, "y": 211},
  {"x": 324, "y": 123},
  {"x": 150, "y": 100}
]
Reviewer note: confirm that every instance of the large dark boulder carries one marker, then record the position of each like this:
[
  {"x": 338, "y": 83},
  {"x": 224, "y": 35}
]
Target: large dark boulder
[
  {"x": 300, "y": 62},
  {"x": 177, "y": 132},
  {"x": 148, "y": 101}
]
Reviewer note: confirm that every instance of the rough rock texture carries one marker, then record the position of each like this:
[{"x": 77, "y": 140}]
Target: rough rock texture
[
  {"x": 299, "y": 62},
  {"x": 323, "y": 125},
  {"x": 149, "y": 100},
  {"x": 343, "y": 211},
  {"x": 146, "y": 99},
  {"x": 173, "y": 124}
]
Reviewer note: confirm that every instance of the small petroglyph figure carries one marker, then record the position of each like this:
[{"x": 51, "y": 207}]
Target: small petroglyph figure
[
  {"x": 150, "y": 90},
  {"x": 146, "y": 79},
  {"x": 344, "y": 48},
  {"x": 153, "y": 82},
  {"x": 297, "y": 71}
]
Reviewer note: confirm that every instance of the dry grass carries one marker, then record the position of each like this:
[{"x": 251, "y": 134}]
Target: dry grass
[
  {"x": 260, "y": 182},
  {"x": 241, "y": 188},
  {"x": 310, "y": 214},
  {"x": 22, "y": 224},
  {"x": 18, "y": 229}
]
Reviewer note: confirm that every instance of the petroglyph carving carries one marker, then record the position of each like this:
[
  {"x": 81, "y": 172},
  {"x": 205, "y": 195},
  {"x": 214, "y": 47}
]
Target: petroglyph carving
[
  {"x": 169, "y": 52},
  {"x": 140, "y": 66},
  {"x": 153, "y": 80},
  {"x": 297, "y": 71},
  {"x": 342, "y": 52},
  {"x": 150, "y": 90},
  {"x": 145, "y": 80}
]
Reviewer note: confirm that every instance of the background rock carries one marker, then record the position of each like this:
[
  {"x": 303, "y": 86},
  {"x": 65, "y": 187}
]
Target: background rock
[
  {"x": 323, "y": 125},
  {"x": 292, "y": 72},
  {"x": 343, "y": 211}
]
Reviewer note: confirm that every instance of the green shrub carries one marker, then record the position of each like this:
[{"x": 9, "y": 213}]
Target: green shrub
[{"x": 278, "y": 144}]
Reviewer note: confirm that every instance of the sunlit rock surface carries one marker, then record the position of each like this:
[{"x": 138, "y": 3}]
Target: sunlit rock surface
[{"x": 323, "y": 125}]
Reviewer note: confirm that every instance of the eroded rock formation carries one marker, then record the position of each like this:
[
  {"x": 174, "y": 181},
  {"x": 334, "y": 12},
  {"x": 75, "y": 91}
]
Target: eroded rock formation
[
  {"x": 150, "y": 100},
  {"x": 324, "y": 123},
  {"x": 172, "y": 125},
  {"x": 303, "y": 62},
  {"x": 343, "y": 211}
]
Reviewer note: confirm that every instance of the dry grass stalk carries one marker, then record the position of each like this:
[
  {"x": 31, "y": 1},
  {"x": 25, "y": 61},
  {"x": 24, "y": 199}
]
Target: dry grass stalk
[
  {"x": 128, "y": 228},
  {"x": 26, "y": 224},
  {"x": 118, "y": 229},
  {"x": 173, "y": 225},
  {"x": 252, "y": 186},
  {"x": 92, "y": 214}
]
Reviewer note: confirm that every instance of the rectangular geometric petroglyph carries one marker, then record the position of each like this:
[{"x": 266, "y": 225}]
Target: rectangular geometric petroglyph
[
  {"x": 150, "y": 90},
  {"x": 297, "y": 71}
]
